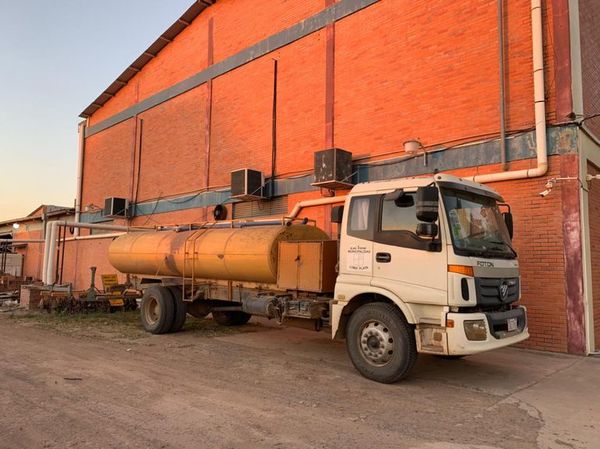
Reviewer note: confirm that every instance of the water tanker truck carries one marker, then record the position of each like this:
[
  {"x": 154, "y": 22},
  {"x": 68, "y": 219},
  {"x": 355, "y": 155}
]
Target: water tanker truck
[{"x": 421, "y": 265}]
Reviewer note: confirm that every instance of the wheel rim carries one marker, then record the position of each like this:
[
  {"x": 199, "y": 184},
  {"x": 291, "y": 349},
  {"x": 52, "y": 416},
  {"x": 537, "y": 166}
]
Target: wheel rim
[
  {"x": 152, "y": 311},
  {"x": 376, "y": 343}
]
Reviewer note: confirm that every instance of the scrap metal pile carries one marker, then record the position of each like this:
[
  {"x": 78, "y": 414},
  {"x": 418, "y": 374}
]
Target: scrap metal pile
[{"x": 62, "y": 299}]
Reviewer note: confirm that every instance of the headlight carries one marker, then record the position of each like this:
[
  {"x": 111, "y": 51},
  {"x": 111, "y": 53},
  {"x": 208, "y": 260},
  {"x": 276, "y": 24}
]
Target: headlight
[{"x": 475, "y": 330}]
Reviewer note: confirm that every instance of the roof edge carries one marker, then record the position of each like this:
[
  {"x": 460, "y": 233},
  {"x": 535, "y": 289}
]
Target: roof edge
[{"x": 151, "y": 52}]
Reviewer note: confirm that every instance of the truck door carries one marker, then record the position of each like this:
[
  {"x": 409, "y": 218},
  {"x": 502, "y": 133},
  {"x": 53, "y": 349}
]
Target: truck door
[
  {"x": 413, "y": 268},
  {"x": 356, "y": 252}
]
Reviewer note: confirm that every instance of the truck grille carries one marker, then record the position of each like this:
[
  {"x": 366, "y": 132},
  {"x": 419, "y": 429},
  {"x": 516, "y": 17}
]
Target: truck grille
[{"x": 496, "y": 291}]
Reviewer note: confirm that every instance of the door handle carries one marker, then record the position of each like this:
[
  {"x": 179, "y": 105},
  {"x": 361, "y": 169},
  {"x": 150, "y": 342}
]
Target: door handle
[{"x": 383, "y": 257}]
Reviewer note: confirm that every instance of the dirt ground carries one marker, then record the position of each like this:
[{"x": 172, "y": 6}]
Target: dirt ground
[{"x": 100, "y": 382}]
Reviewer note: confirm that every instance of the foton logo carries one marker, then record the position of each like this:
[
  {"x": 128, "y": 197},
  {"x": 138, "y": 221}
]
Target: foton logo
[{"x": 485, "y": 264}]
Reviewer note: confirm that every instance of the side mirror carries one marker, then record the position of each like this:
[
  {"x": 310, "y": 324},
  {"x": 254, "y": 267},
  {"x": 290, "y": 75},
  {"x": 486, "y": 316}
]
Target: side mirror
[
  {"x": 337, "y": 214},
  {"x": 427, "y": 204},
  {"x": 508, "y": 220},
  {"x": 428, "y": 230}
]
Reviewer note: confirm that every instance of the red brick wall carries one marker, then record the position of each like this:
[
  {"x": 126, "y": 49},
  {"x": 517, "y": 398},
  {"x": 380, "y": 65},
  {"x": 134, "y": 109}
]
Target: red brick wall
[
  {"x": 238, "y": 24},
  {"x": 433, "y": 75},
  {"x": 107, "y": 168},
  {"x": 394, "y": 78},
  {"x": 172, "y": 148},
  {"x": 589, "y": 16},
  {"x": 594, "y": 223},
  {"x": 393, "y": 81},
  {"x": 402, "y": 70},
  {"x": 33, "y": 253},
  {"x": 83, "y": 254}
]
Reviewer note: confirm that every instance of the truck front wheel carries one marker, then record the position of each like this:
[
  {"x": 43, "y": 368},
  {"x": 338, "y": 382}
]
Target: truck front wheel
[
  {"x": 380, "y": 342},
  {"x": 157, "y": 310},
  {"x": 231, "y": 318}
]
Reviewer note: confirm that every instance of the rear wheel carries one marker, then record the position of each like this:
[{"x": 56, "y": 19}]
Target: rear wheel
[
  {"x": 380, "y": 343},
  {"x": 231, "y": 318},
  {"x": 157, "y": 310},
  {"x": 179, "y": 313}
]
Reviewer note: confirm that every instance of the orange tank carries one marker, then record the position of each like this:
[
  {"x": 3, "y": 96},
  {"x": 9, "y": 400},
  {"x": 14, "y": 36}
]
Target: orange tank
[{"x": 246, "y": 254}]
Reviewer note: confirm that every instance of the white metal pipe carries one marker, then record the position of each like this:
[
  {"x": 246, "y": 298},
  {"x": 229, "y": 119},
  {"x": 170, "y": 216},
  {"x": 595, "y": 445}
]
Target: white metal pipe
[
  {"x": 22, "y": 241},
  {"x": 80, "y": 156},
  {"x": 51, "y": 249},
  {"x": 318, "y": 202},
  {"x": 540, "y": 107},
  {"x": 51, "y": 242},
  {"x": 112, "y": 235},
  {"x": 46, "y": 252}
]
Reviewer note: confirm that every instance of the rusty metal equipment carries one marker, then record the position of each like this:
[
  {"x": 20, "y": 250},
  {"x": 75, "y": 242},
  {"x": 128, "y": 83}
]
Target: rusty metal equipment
[{"x": 62, "y": 299}]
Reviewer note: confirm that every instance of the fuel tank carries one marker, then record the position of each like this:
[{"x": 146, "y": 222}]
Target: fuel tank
[{"x": 237, "y": 254}]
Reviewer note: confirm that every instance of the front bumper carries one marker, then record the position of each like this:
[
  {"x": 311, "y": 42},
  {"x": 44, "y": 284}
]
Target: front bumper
[{"x": 497, "y": 334}]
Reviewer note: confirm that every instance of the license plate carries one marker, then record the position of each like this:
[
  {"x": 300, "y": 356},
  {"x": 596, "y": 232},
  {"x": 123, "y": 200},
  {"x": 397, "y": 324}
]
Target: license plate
[{"x": 512, "y": 324}]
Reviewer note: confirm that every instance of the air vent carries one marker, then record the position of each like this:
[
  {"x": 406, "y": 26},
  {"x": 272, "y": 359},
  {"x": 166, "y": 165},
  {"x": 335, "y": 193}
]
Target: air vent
[
  {"x": 277, "y": 206},
  {"x": 333, "y": 169},
  {"x": 247, "y": 184},
  {"x": 116, "y": 208}
]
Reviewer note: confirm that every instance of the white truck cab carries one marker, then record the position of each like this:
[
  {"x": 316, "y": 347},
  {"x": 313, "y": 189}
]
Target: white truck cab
[{"x": 426, "y": 265}]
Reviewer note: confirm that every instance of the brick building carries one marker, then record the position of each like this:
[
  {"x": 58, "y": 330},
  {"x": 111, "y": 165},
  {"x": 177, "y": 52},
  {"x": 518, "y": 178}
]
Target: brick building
[
  {"x": 24, "y": 236},
  {"x": 265, "y": 83}
]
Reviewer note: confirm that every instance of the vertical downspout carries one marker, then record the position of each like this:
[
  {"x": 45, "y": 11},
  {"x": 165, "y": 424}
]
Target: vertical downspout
[
  {"x": 80, "y": 156},
  {"x": 139, "y": 164},
  {"x": 51, "y": 244},
  {"x": 133, "y": 157},
  {"x": 209, "y": 95},
  {"x": 540, "y": 108},
  {"x": 44, "y": 230},
  {"x": 330, "y": 82},
  {"x": 502, "y": 80},
  {"x": 274, "y": 129},
  {"x": 329, "y": 103}
]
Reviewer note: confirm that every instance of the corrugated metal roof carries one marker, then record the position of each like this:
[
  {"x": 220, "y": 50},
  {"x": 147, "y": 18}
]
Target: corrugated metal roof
[
  {"x": 181, "y": 24},
  {"x": 50, "y": 211}
]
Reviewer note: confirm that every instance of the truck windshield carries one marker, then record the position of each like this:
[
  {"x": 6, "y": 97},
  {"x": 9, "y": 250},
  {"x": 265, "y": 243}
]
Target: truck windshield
[{"x": 476, "y": 225}]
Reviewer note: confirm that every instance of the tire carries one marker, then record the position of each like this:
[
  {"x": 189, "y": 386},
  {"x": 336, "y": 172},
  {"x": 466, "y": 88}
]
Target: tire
[
  {"x": 231, "y": 318},
  {"x": 380, "y": 343},
  {"x": 180, "y": 309},
  {"x": 157, "y": 310}
]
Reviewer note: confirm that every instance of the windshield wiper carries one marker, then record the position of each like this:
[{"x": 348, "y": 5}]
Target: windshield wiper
[{"x": 500, "y": 242}]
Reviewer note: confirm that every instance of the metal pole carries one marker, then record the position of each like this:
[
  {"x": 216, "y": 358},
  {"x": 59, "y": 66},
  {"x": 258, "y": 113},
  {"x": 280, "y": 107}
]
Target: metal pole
[
  {"x": 81, "y": 155},
  {"x": 502, "y": 74},
  {"x": 274, "y": 128},
  {"x": 64, "y": 250}
]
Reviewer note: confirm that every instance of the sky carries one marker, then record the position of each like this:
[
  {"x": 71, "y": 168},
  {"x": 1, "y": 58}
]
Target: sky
[{"x": 56, "y": 57}]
